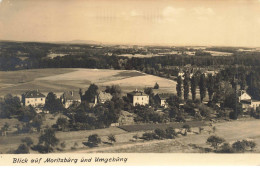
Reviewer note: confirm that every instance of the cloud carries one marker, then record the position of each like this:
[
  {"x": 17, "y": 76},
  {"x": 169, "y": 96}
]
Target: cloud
[
  {"x": 172, "y": 12},
  {"x": 203, "y": 11},
  {"x": 134, "y": 13}
]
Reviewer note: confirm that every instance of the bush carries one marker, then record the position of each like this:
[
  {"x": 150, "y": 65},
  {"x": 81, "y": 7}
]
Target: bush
[
  {"x": 239, "y": 146},
  {"x": 156, "y": 86},
  {"x": 111, "y": 138},
  {"x": 180, "y": 118},
  {"x": 42, "y": 148},
  {"x": 63, "y": 145},
  {"x": 28, "y": 141},
  {"x": 94, "y": 140},
  {"x": 215, "y": 141},
  {"x": 242, "y": 146},
  {"x": 187, "y": 127},
  {"x": 226, "y": 148},
  {"x": 149, "y": 136},
  {"x": 160, "y": 133},
  {"x": 170, "y": 133},
  {"x": 22, "y": 149}
]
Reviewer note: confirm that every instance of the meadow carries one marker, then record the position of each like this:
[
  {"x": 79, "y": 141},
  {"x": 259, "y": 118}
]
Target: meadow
[{"x": 63, "y": 79}]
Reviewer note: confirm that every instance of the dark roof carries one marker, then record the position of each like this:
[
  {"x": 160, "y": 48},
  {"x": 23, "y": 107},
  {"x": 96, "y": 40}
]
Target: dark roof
[
  {"x": 164, "y": 96},
  {"x": 33, "y": 94},
  {"x": 71, "y": 95},
  {"x": 137, "y": 93}
]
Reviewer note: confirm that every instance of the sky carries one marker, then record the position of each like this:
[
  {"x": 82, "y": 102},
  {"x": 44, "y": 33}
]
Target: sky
[{"x": 165, "y": 22}]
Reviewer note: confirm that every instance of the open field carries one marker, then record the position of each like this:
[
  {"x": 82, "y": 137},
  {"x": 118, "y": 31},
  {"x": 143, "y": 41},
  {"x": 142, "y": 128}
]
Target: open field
[
  {"x": 74, "y": 140},
  {"x": 60, "y": 80},
  {"x": 153, "y": 126},
  {"x": 230, "y": 131}
]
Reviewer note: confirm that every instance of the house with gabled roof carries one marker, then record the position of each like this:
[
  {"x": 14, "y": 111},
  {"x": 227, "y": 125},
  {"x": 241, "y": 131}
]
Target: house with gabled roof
[
  {"x": 138, "y": 98},
  {"x": 33, "y": 98},
  {"x": 161, "y": 99},
  {"x": 70, "y": 97}
]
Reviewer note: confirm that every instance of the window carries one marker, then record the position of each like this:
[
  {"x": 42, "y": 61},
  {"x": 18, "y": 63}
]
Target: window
[
  {"x": 35, "y": 99},
  {"x": 142, "y": 98},
  {"x": 28, "y": 101},
  {"x": 41, "y": 99}
]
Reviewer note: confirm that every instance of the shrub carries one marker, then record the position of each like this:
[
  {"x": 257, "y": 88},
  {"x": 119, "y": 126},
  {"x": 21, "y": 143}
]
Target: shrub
[
  {"x": 180, "y": 118},
  {"x": 63, "y": 145},
  {"x": 149, "y": 136},
  {"x": 160, "y": 133},
  {"x": 170, "y": 133},
  {"x": 239, "y": 146},
  {"x": 156, "y": 86},
  {"x": 28, "y": 141},
  {"x": 226, "y": 148},
  {"x": 22, "y": 149},
  {"x": 187, "y": 127},
  {"x": 94, "y": 140},
  {"x": 242, "y": 146},
  {"x": 111, "y": 138},
  {"x": 215, "y": 141}
]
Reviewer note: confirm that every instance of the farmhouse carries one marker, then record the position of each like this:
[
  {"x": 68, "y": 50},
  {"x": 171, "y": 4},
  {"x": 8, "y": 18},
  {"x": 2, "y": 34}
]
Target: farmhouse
[
  {"x": 138, "y": 98},
  {"x": 70, "y": 97},
  {"x": 102, "y": 97},
  {"x": 33, "y": 98},
  {"x": 255, "y": 104},
  {"x": 161, "y": 99},
  {"x": 243, "y": 96},
  {"x": 246, "y": 101}
]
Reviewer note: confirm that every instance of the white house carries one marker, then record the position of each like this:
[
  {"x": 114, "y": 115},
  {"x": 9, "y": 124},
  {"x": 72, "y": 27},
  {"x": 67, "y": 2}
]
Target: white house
[
  {"x": 243, "y": 96},
  {"x": 33, "y": 98},
  {"x": 138, "y": 97},
  {"x": 255, "y": 104}
]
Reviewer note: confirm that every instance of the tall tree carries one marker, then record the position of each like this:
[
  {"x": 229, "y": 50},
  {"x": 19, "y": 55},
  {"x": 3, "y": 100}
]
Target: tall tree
[
  {"x": 194, "y": 84},
  {"x": 48, "y": 139},
  {"x": 210, "y": 86},
  {"x": 242, "y": 82},
  {"x": 52, "y": 103},
  {"x": 186, "y": 86},
  {"x": 91, "y": 93},
  {"x": 202, "y": 86},
  {"x": 179, "y": 87},
  {"x": 217, "y": 86}
]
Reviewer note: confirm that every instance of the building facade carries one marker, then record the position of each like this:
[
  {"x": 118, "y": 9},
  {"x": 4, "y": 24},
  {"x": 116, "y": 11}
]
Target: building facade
[
  {"x": 33, "y": 98},
  {"x": 138, "y": 98},
  {"x": 161, "y": 99},
  {"x": 70, "y": 97}
]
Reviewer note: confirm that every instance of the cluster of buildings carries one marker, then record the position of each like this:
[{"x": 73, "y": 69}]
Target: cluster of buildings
[{"x": 37, "y": 99}]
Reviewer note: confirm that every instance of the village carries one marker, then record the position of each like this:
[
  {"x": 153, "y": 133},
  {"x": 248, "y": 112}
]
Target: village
[{"x": 137, "y": 111}]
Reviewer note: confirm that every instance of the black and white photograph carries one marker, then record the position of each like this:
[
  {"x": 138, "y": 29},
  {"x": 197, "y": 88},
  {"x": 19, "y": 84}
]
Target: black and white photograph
[{"x": 147, "y": 76}]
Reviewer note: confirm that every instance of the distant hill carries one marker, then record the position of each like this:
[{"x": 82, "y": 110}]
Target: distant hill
[{"x": 79, "y": 42}]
